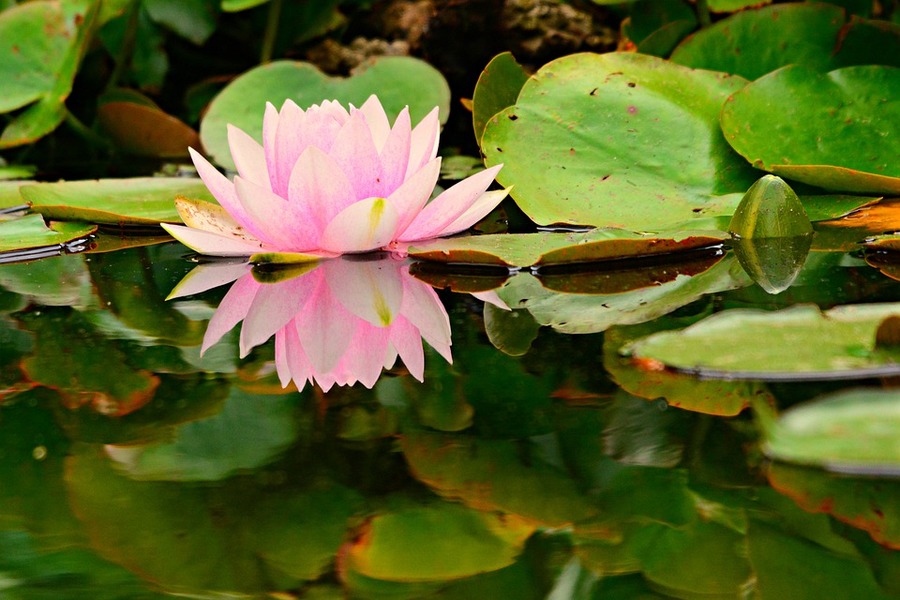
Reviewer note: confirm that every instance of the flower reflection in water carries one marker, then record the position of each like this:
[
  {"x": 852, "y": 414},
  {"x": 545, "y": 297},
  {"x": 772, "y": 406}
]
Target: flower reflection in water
[{"x": 339, "y": 321}]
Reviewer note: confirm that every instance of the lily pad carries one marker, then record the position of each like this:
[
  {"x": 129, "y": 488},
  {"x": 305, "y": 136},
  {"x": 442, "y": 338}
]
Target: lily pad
[
  {"x": 413, "y": 544},
  {"x": 497, "y": 88},
  {"x": 544, "y": 249},
  {"x": 137, "y": 201},
  {"x": 618, "y": 140},
  {"x": 868, "y": 503},
  {"x": 837, "y": 130},
  {"x": 31, "y": 232},
  {"x": 399, "y": 81},
  {"x": 146, "y": 131},
  {"x": 853, "y": 431},
  {"x": 755, "y": 42},
  {"x": 656, "y": 27},
  {"x": 798, "y": 343}
]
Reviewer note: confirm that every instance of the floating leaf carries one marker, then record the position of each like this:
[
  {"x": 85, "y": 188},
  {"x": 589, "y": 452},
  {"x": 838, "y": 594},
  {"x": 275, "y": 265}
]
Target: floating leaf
[
  {"x": 137, "y": 201},
  {"x": 146, "y": 131},
  {"x": 31, "y": 232},
  {"x": 413, "y": 544},
  {"x": 755, "y": 42},
  {"x": 533, "y": 249},
  {"x": 868, "y": 503},
  {"x": 655, "y": 27},
  {"x": 800, "y": 343},
  {"x": 618, "y": 140},
  {"x": 821, "y": 126},
  {"x": 853, "y": 431},
  {"x": 399, "y": 81},
  {"x": 497, "y": 88}
]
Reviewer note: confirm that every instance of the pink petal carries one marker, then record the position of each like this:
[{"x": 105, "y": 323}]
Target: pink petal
[
  {"x": 336, "y": 111},
  {"x": 377, "y": 120},
  {"x": 298, "y": 364},
  {"x": 280, "y": 223},
  {"x": 355, "y": 153},
  {"x": 424, "y": 142},
  {"x": 394, "y": 155},
  {"x": 487, "y": 202},
  {"x": 212, "y": 244},
  {"x": 249, "y": 157},
  {"x": 325, "y": 330},
  {"x": 274, "y": 306},
  {"x": 289, "y": 143},
  {"x": 371, "y": 290},
  {"x": 491, "y": 297},
  {"x": 232, "y": 309},
  {"x": 366, "y": 225},
  {"x": 269, "y": 137},
  {"x": 220, "y": 187},
  {"x": 413, "y": 195},
  {"x": 207, "y": 276},
  {"x": 423, "y": 308},
  {"x": 448, "y": 206},
  {"x": 408, "y": 342},
  {"x": 318, "y": 190},
  {"x": 364, "y": 359}
]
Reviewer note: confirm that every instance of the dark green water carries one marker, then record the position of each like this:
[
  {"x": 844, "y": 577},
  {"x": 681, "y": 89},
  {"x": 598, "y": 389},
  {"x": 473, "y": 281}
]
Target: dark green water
[{"x": 130, "y": 467}]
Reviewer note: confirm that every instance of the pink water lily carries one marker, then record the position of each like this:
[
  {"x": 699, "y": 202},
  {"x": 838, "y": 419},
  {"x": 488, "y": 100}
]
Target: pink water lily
[
  {"x": 337, "y": 322},
  {"x": 327, "y": 181}
]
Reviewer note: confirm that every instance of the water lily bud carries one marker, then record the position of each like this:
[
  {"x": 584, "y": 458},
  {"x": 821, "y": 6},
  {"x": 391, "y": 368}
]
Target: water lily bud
[{"x": 770, "y": 209}]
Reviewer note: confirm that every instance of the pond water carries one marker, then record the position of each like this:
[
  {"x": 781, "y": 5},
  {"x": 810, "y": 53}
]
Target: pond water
[{"x": 541, "y": 463}]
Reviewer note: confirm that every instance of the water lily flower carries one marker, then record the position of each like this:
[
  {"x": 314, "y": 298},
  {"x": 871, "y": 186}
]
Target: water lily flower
[
  {"x": 327, "y": 181},
  {"x": 336, "y": 322}
]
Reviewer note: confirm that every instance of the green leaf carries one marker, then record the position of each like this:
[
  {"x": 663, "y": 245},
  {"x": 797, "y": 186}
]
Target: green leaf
[
  {"x": 137, "y": 201},
  {"x": 194, "y": 20},
  {"x": 146, "y": 131},
  {"x": 497, "y": 88},
  {"x": 510, "y": 331},
  {"x": 723, "y": 6},
  {"x": 393, "y": 545},
  {"x": 31, "y": 232},
  {"x": 853, "y": 431},
  {"x": 838, "y": 130},
  {"x": 800, "y": 343},
  {"x": 868, "y": 503},
  {"x": 398, "y": 82},
  {"x": 239, "y": 5},
  {"x": 591, "y": 313},
  {"x": 618, "y": 140},
  {"x": 546, "y": 249},
  {"x": 655, "y": 27},
  {"x": 54, "y": 281},
  {"x": 755, "y": 42},
  {"x": 35, "y": 38}
]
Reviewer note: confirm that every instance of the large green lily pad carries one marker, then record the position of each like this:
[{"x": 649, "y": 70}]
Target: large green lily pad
[
  {"x": 529, "y": 249},
  {"x": 618, "y": 140},
  {"x": 31, "y": 232},
  {"x": 839, "y": 130},
  {"x": 398, "y": 81},
  {"x": 797, "y": 343},
  {"x": 854, "y": 431},
  {"x": 497, "y": 88},
  {"x": 137, "y": 201},
  {"x": 755, "y": 42}
]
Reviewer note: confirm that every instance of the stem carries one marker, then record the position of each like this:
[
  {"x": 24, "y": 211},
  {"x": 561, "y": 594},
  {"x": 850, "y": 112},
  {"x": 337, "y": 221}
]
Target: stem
[
  {"x": 703, "y": 13},
  {"x": 123, "y": 59},
  {"x": 268, "y": 45},
  {"x": 86, "y": 133}
]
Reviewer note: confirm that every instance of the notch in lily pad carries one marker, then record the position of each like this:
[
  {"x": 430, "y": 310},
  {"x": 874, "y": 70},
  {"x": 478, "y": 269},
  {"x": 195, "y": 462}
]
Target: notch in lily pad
[{"x": 772, "y": 234}]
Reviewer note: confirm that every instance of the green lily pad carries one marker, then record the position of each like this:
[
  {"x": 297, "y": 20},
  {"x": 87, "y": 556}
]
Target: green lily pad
[
  {"x": 656, "y": 27},
  {"x": 74, "y": 24},
  {"x": 492, "y": 475},
  {"x": 31, "y": 232},
  {"x": 755, "y": 42},
  {"x": 137, "y": 201},
  {"x": 413, "y": 544},
  {"x": 497, "y": 88},
  {"x": 837, "y": 130},
  {"x": 868, "y": 503},
  {"x": 545, "y": 249},
  {"x": 798, "y": 343},
  {"x": 397, "y": 80},
  {"x": 618, "y": 140},
  {"x": 854, "y": 431},
  {"x": 145, "y": 130},
  {"x": 591, "y": 313}
]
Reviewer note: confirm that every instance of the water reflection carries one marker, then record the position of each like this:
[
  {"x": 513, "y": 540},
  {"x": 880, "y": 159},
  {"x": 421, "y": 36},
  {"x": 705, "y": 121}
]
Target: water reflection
[{"x": 336, "y": 322}]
